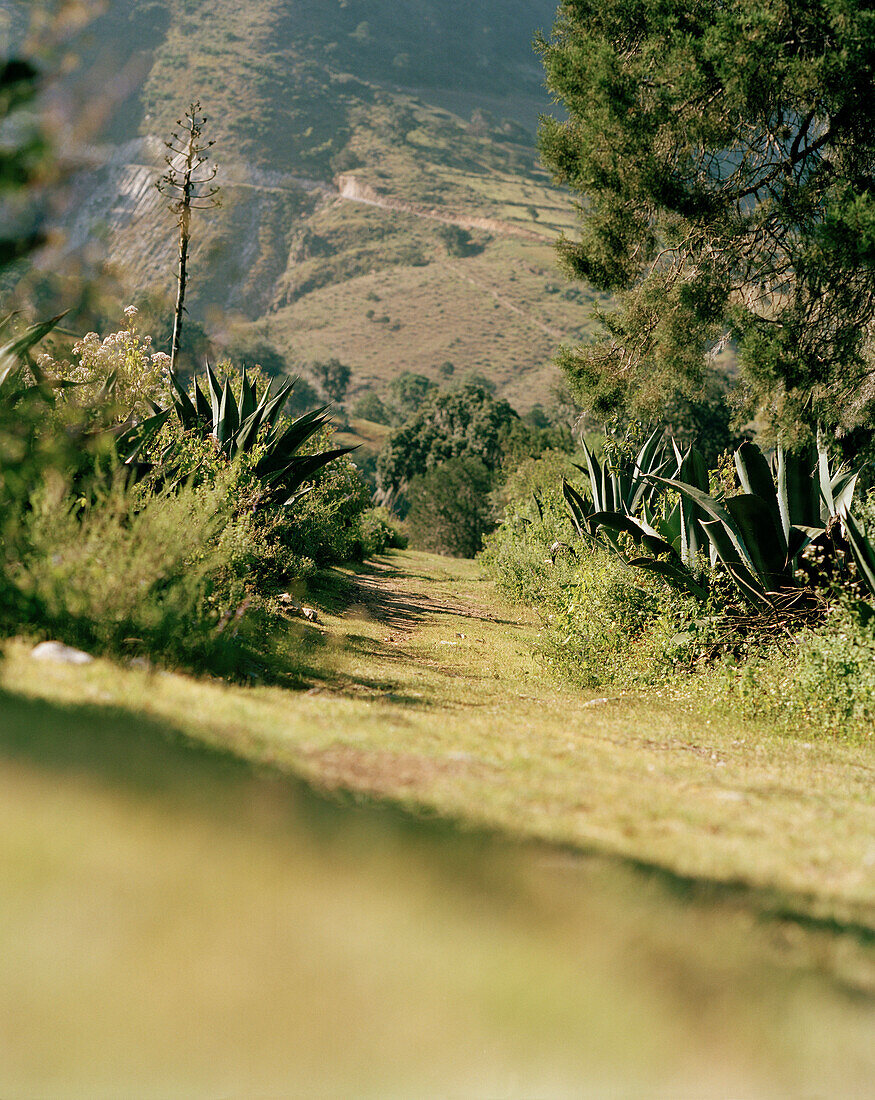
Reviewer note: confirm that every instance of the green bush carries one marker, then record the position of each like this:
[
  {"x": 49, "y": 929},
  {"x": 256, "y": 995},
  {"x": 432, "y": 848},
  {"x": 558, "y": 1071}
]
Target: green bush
[
  {"x": 380, "y": 532},
  {"x": 167, "y": 578},
  {"x": 370, "y": 407},
  {"x": 609, "y": 626},
  {"x": 324, "y": 526},
  {"x": 451, "y": 508},
  {"x": 465, "y": 422},
  {"x": 604, "y": 623},
  {"x": 821, "y": 681},
  {"x": 178, "y": 554}
]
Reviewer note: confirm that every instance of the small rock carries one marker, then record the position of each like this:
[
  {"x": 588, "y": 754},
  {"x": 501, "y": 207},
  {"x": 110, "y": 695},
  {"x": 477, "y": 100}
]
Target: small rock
[
  {"x": 61, "y": 654},
  {"x": 294, "y": 608},
  {"x": 595, "y": 703}
]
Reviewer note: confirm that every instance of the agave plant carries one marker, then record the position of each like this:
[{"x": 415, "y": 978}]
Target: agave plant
[
  {"x": 618, "y": 486},
  {"x": 239, "y": 425},
  {"x": 16, "y": 363},
  {"x": 758, "y": 537}
]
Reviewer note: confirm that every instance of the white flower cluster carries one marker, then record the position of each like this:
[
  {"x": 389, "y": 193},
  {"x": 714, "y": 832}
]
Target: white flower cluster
[{"x": 137, "y": 374}]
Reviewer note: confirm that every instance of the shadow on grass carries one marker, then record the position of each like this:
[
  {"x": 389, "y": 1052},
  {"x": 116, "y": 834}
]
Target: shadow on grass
[
  {"x": 153, "y": 759},
  {"x": 126, "y": 751}
]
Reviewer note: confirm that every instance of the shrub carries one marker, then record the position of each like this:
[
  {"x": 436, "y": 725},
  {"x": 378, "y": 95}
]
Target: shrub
[
  {"x": 124, "y": 363},
  {"x": 380, "y": 533},
  {"x": 451, "y": 508},
  {"x": 820, "y": 681},
  {"x": 604, "y": 623},
  {"x": 370, "y": 407},
  {"x": 467, "y": 422},
  {"x": 167, "y": 578},
  {"x": 324, "y": 527},
  {"x": 181, "y": 560}
]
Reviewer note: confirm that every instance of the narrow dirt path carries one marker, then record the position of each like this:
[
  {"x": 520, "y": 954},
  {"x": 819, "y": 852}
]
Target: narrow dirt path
[
  {"x": 402, "y": 608},
  {"x": 466, "y": 719},
  {"x": 506, "y": 303}
]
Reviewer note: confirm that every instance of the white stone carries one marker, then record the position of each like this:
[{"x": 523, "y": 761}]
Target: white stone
[{"x": 61, "y": 654}]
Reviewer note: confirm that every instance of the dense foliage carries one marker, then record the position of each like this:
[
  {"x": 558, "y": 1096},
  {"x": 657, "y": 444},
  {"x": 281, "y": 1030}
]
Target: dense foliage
[
  {"x": 467, "y": 422},
  {"x": 725, "y": 155},
  {"x": 686, "y": 586},
  {"x": 451, "y": 507},
  {"x": 171, "y": 534}
]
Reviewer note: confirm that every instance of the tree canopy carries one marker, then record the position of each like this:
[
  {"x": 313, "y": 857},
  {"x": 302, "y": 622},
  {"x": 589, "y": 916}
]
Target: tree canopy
[
  {"x": 467, "y": 422},
  {"x": 724, "y": 154}
]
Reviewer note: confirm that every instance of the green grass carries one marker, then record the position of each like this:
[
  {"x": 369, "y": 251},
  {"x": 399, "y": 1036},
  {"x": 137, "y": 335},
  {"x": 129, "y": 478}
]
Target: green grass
[
  {"x": 184, "y": 913},
  {"x": 428, "y": 692}
]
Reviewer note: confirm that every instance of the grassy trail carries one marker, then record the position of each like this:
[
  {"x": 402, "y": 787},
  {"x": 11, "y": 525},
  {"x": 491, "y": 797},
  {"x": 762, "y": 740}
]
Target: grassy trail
[{"x": 179, "y": 922}]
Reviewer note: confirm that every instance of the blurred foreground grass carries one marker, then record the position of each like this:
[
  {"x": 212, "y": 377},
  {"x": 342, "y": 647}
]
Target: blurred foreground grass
[
  {"x": 177, "y": 925},
  {"x": 182, "y": 920}
]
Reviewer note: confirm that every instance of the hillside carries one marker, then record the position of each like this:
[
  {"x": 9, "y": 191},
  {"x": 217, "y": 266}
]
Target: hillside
[{"x": 374, "y": 158}]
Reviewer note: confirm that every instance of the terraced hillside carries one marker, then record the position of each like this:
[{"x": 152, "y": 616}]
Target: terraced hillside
[{"x": 382, "y": 196}]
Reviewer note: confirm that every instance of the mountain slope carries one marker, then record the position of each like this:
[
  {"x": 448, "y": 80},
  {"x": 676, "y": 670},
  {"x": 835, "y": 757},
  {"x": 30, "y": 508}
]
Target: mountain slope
[{"x": 376, "y": 158}]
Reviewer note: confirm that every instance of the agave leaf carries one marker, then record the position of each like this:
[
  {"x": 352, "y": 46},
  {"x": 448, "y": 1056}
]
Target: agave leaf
[
  {"x": 280, "y": 448},
  {"x": 862, "y": 549},
  {"x": 595, "y": 478},
  {"x": 724, "y": 548},
  {"x": 694, "y": 470},
  {"x": 31, "y": 337},
  {"x": 712, "y": 508},
  {"x": 608, "y": 495},
  {"x": 273, "y": 406},
  {"x": 202, "y": 406},
  {"x": 295, "y": 497},
  {"x": 756, "y": 479},
  {"x": 800, "y": 537},
  {"x": 763, "y": 538},
  {"x": 130, "y": 443},
  {"x": 226, "y": 427},
  {"x": 648, "y": 456},
  {"x": 643, "y": 491},
  {"x": 690, "y": 526},
  {"x": 825, "y": 479},
  {"x": 798, "y": 488},
  {"x": 15, "y": 354},
  {"x": 579, "y": 508},
  {"x": 667, "y": 527},
  {"x": 302, "y": 468},
  {"x": 678, "y": 457},
  {"x": 843, "y": 487},
  {"x": 248, "y": 400},
  {"x": 183, "y": 404},
  {"x": 640, "y": 531},
  {"x": 248, "y": 432},
  {"x": 677, "y": 575},
  {"x": 215, "y": 391}
]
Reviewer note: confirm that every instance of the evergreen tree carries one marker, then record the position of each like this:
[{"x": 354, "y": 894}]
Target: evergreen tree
[{"x": 724, "y": 152}]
